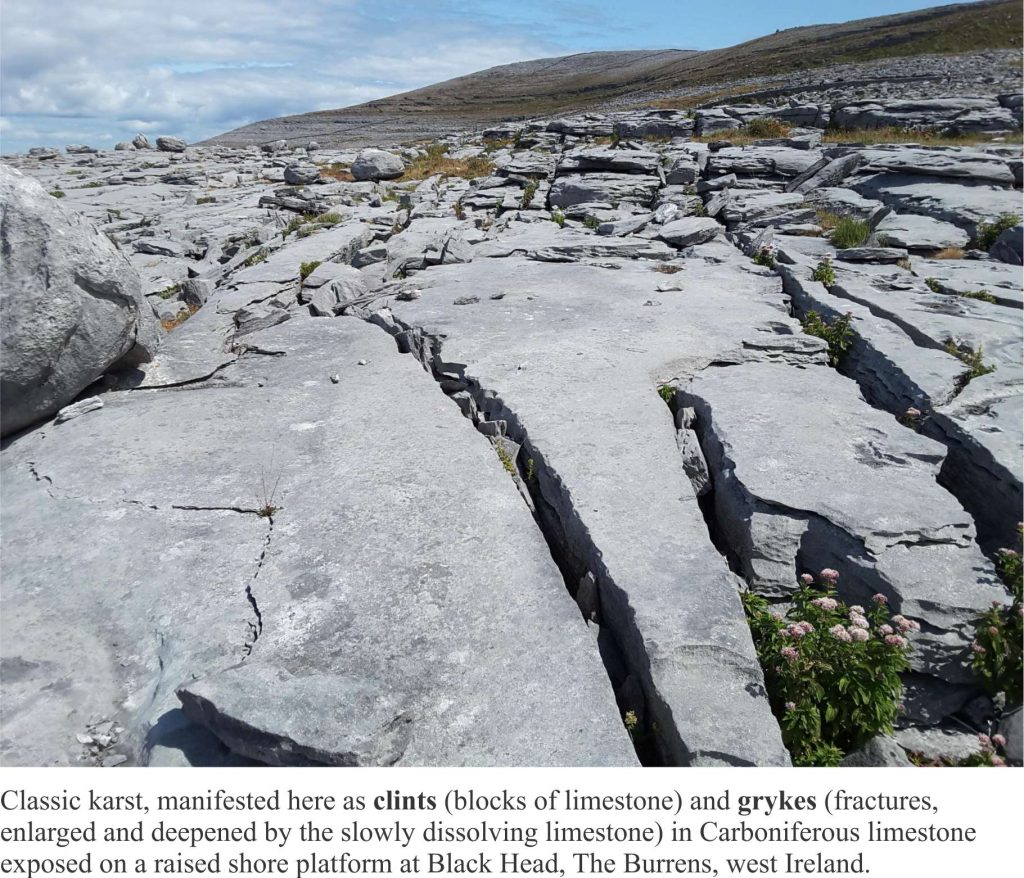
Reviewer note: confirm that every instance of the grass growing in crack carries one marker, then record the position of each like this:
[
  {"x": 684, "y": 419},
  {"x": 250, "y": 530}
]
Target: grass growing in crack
[
  {"x": 949, "y": 253},
  {"x": 988, "y": 233},
  {"x": 996, "y": 650},
  {"x": 337, "y": 171},
  {"x": 558, "y": 218},
  {"x": 528, "y": 193},
  {"x": 436, "y": 161},
  {"x": 307, "y": 268},
  {"x": 531, "y": 471},
  {"x": 892, "y": 134},
  {"x": 206, "y": 199},
  {"x": 832, "y": 671},
  {"x": 265, "y": 500},
  {"x": 169, "y": 292},
  {"x": 766, "y": 128},
  {"x": 824, "y": 272},
  {"x": 667, "y": 392},
  {"x": 933, "y": 284},
  {"x": 980, "y": 295},
  {"x": 849, "y": 232},
  {"x": 505, "y": 458},
  {"x": 459, "y": 209},
  {"x": 665, "y": 268},
  {"x": 592, "y": 223},
  {"x": 256, "y": 258},
  {"x": 171, "y": 323},
  {"x": 838, "y": 334},
  {"x": 974, "y": 360},
  {"x": 314, "y": 219},
  {"x": 58, "y": 193}
]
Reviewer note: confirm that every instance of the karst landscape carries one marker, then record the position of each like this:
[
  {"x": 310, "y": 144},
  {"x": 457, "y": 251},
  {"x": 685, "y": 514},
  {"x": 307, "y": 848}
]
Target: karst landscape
[{"x": 496, "y": 423}]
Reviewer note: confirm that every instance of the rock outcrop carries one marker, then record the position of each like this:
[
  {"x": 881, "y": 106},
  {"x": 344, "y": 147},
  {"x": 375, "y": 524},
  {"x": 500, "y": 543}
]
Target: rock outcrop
[{"x": 72, "y": 304}]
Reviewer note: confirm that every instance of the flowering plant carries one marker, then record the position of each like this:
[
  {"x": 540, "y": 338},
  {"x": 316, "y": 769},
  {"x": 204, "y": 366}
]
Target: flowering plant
[
  {"x": 765, "y": 255},
  {"x": 998, "y": 636},
  {"x": 832, "y": 671}
]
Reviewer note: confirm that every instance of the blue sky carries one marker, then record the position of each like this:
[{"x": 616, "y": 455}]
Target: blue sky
[{"x": 99, "y": 71}]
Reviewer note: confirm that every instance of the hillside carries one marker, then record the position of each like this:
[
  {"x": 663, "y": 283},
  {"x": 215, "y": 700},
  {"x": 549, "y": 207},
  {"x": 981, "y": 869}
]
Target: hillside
[{"x": 575, "y": 82}]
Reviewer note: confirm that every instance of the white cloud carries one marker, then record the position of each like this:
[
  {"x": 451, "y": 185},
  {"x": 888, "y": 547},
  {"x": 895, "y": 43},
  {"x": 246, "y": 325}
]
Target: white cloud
[{"x": 100, "y": 71}]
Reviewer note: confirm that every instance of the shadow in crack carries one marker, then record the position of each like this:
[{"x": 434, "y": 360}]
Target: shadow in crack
[{"x": 175, "y": 740}]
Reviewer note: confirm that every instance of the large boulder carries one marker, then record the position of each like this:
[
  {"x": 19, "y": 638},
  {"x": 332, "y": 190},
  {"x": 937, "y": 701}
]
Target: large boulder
[
  {"x": 376, "y": 164},
  {"x": 1009, "y": 246},
  {"x": 71, "y": 304},
  {"x": 170, "y": 144}
]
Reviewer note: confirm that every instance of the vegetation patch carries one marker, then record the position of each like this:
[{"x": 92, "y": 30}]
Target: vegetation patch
[
  {"x": 988, "y": 233},
  {"x": 766, "y": 128},
  {"x": 998, "y": 635},
  {"x": 832, "y": 671},
  {"x": 838, "y": 334},
  {"x": 337, "y": 171},
  {"x": 949, "y": 253},
  {"x": 889, "y": 134},
  {"x": 171, "y": 323},
  {"x": 765, "y": 256},
  {"x": 436, "y": 162},
  {"x": 206, "y": 199},
  {"x": 824, "y": 272},
  {"x": 58, "y": 193},
  {"x": 980, "y": 295},
  {"x": 307, "y": 268},
  {"x": 849, "y": 232},
  {"x": 973, "y": 359}
]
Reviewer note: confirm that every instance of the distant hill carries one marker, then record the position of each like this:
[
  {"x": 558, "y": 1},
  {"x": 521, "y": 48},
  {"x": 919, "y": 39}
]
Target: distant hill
[{"x": 576, "y": 82}]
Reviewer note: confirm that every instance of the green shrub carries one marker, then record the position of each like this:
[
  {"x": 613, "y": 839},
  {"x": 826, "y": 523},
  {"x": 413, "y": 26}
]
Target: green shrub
[
  {"x": 592, "y": 222},
  {"x": 933, "y": 284},
  {"x": 849, "y": 232},
  {"x": 973, "y": 359},
  {"x": 307, "y": 268},
  {"x": 766, "y": 128},
  {"x": 667, "y": 392},
  {"x": 558, "y": 218},
  {"x": 57, "y": 193},
  {"x": 832, "y": 671},
  {"x": 824, "y": 272},
  {"x": 839, "y": 334},
  {"x": 989, "y": 232},
  {"x": 996, "y": 650},
  {"x": 206, "y": 199}
]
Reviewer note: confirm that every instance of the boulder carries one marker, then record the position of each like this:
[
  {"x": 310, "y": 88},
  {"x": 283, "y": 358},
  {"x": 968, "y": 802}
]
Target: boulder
[
  {"x": 79, "y": 149},
  {"x": 140, "y": 141},
  {"x": 881, "y": 751},
  {"x": 689, "y": 231},
  {"x": 72, "y": 305},
  {"x": 301, "y": 175},
  {"x": 170, "y": 144},
  {"x": 376, "y": 164},
  {"x": 124, "y": 146},
  {"x": 1009, "y": 246}
]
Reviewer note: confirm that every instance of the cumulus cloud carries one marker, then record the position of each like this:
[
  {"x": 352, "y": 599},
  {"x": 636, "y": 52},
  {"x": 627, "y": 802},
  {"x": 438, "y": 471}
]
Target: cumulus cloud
[{"x": 100, "y": 71}]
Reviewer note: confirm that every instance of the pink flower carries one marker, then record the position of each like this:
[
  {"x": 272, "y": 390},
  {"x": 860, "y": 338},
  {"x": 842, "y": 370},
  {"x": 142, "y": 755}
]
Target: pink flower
[
  {"x": 784, "y": 632},
  {"x": 776, "y": 615},
  {"x": 999, "y": 740},
  {"x": 993, "y": 631},
  {"x": 788, "y": 653},
  {"x": 977, "y": 648},
  {"x": 998, "y": 762},
  {"x": 856, "y": 610},
  {"x": 895, "y": 640},
  {"x": 807, "y": 627},
  {"x": 790, "y": 705},
  {"x": 858, "y": 634},
  {"x": 825, "y": 603},
  {"x": 858, "y": 622},
  {"x": 840, "y": 634},
  {"x": 984, "y": 740},
  {"x": 829, "y": 575},
  {"x": 807, "y": 579},
  {"x": 880, "y": 599},
  {"x": 885, "y": 629},
  {"x": 912, "y": 413},
  {"x": 1007, "y": 553},
  {"x": 905, "y": 624}
]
